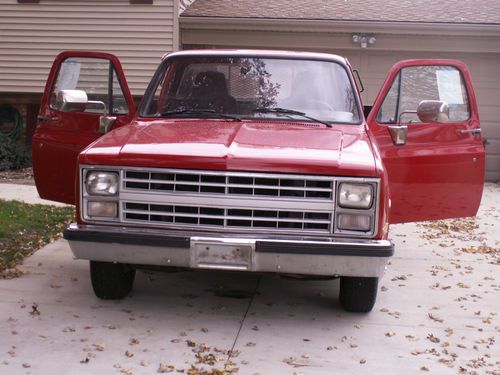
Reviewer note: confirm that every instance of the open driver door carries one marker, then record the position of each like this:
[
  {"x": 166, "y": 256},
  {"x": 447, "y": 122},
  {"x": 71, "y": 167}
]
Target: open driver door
[{"x": 86, "y": 95}]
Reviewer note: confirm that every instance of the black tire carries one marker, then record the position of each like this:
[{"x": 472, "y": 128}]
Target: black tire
[
  {"x": 358, "y": 294},
  {"x": 111, "y": 280}
]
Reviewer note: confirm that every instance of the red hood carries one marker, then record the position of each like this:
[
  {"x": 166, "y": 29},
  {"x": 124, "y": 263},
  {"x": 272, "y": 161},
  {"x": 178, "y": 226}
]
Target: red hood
[{"x": 258, "y": 146}]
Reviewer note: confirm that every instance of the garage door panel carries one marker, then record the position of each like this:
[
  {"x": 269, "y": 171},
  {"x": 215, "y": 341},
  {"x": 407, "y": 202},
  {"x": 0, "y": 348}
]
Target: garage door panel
[
  {"x": 493, "y": 168},
  {"x": 493, "y": 144},
  {"x": 487, "y": 98}
]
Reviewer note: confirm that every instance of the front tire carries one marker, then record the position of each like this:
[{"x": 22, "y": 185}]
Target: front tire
[
  {"x": 358, "y": 294},
  {"x": 111, "y": 280}
]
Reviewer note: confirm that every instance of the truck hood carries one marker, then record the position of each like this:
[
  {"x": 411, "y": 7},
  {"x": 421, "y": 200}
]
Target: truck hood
[{"x": 259, "y": 146}]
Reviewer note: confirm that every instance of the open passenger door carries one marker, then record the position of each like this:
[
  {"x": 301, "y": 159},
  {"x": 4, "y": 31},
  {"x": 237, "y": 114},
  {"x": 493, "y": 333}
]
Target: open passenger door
[
  {"x": 434, "y": 158},
  {"x": 86, "y": 95}
]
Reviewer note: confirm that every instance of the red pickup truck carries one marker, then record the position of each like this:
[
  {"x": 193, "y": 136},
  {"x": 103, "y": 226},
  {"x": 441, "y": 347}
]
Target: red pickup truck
[{"x": 258, "y": 161}]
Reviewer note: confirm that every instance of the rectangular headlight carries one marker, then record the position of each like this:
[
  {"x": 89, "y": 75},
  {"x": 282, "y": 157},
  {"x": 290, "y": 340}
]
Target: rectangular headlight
[
  {"x": 101, "y": 183},
  {"x": 354, "y": 222},
  {"x": 102, "y": 209},
  {"x": 355, "y": 195}
]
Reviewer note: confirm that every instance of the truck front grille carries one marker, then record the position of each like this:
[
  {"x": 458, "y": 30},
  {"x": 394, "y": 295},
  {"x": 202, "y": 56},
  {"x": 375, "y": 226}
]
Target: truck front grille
[{"x": 233, "y": 201}]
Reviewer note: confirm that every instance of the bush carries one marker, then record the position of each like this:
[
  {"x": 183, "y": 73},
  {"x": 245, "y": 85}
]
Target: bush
[{"x": 14, "y": 154}]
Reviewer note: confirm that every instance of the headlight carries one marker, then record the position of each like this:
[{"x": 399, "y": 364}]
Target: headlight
[
  {"x": 355, "y": 195},
  {"x": 102, "y": 183}
]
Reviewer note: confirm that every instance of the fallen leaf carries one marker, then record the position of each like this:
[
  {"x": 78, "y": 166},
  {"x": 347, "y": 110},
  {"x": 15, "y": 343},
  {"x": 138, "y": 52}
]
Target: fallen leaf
[
  {"x": 129, "y": 354},
  {"x": 166, "y": 368},
  {"x": 34, "y": 309},
  {"x": 435, "y": 318},
  {"x": 433, "y": 338},
  {"x": 292, "y": 361}
]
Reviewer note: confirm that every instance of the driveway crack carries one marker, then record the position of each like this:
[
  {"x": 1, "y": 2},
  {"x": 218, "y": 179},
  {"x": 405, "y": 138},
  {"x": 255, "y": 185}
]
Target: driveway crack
[{"x": 231, "y": 352}]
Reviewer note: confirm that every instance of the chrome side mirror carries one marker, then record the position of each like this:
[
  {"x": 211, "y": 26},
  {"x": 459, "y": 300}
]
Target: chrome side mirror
[
  {"x": 433, "y": 111},
  {"x": 77, "y": 101},
  {"x": 71, "y": 101}
]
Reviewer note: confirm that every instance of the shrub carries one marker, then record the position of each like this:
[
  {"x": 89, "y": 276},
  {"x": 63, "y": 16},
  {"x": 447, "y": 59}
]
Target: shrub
[{"x": 14, "y": 154}]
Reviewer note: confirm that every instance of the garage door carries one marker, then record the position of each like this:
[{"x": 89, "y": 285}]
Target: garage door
[{"x": 485, "y": 71}]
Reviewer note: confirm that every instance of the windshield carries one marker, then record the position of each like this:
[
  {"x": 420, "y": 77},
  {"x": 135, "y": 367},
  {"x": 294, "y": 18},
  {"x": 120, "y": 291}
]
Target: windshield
[{"x": 247, "y": 87}]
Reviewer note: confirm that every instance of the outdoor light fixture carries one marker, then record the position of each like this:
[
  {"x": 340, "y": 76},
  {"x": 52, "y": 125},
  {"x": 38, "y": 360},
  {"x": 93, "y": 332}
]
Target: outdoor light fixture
[{"x": 364, "y": 39}]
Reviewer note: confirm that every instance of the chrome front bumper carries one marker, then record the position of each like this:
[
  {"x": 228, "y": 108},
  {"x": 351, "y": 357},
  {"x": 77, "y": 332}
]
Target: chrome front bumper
[{"x": 299, "y": 255}]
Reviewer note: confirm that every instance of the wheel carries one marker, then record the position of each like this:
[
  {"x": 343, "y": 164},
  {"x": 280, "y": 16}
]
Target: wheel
[
  {"x": 358, "y": 294},
  {"x": 111, "y": 280}
]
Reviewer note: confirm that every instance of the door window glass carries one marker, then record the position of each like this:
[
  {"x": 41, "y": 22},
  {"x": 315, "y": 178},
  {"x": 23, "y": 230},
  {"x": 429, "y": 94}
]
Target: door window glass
[
  {"x": 416, "y": 83},
  {"x": 98, "y": 78}
]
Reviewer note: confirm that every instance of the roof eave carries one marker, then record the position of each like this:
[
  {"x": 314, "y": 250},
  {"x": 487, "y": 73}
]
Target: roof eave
[{"x": 338, "y": 26}]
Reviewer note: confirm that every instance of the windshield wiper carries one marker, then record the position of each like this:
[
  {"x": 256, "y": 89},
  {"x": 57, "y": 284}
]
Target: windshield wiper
[
  {"x": 198, "y": 112},
  {"x": 285, "y": 111}
]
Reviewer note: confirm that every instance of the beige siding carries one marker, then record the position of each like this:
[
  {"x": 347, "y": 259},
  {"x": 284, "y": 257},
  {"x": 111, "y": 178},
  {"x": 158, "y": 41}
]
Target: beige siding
[{"x": 31, "y": 35}]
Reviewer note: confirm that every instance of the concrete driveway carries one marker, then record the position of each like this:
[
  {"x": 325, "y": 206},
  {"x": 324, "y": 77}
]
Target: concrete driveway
[{"x": 437, "y": 312}]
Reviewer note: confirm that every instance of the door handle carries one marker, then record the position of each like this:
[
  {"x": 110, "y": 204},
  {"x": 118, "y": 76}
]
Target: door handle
[
  {"x": 40, "y": 118},
  {"x": 470, "y": 131}
]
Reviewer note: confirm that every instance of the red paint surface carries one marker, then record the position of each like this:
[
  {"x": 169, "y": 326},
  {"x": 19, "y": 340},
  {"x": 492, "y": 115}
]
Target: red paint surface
[
  {"x": 434, "y": 175},
  {"x": 259, "y": 146}
]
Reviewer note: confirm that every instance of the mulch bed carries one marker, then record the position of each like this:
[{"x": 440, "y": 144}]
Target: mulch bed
[{"x": 19, "y": 176}]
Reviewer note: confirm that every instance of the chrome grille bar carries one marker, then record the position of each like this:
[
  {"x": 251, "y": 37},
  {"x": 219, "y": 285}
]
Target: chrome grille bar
[
  {"x": 230, "y": 183},
  {"x": 281, "y": 220}
]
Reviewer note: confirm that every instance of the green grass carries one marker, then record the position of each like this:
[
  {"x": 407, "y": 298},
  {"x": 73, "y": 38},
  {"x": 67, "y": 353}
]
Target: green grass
[{"x": 25, "y": 228}]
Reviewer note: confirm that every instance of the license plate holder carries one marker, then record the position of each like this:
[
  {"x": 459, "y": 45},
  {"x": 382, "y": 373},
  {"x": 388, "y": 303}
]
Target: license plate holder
[{"x": 216, "y": 255}]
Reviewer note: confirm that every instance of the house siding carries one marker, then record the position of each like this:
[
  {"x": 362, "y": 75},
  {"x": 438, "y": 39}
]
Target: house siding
[{"x": 31, "y": 35}]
